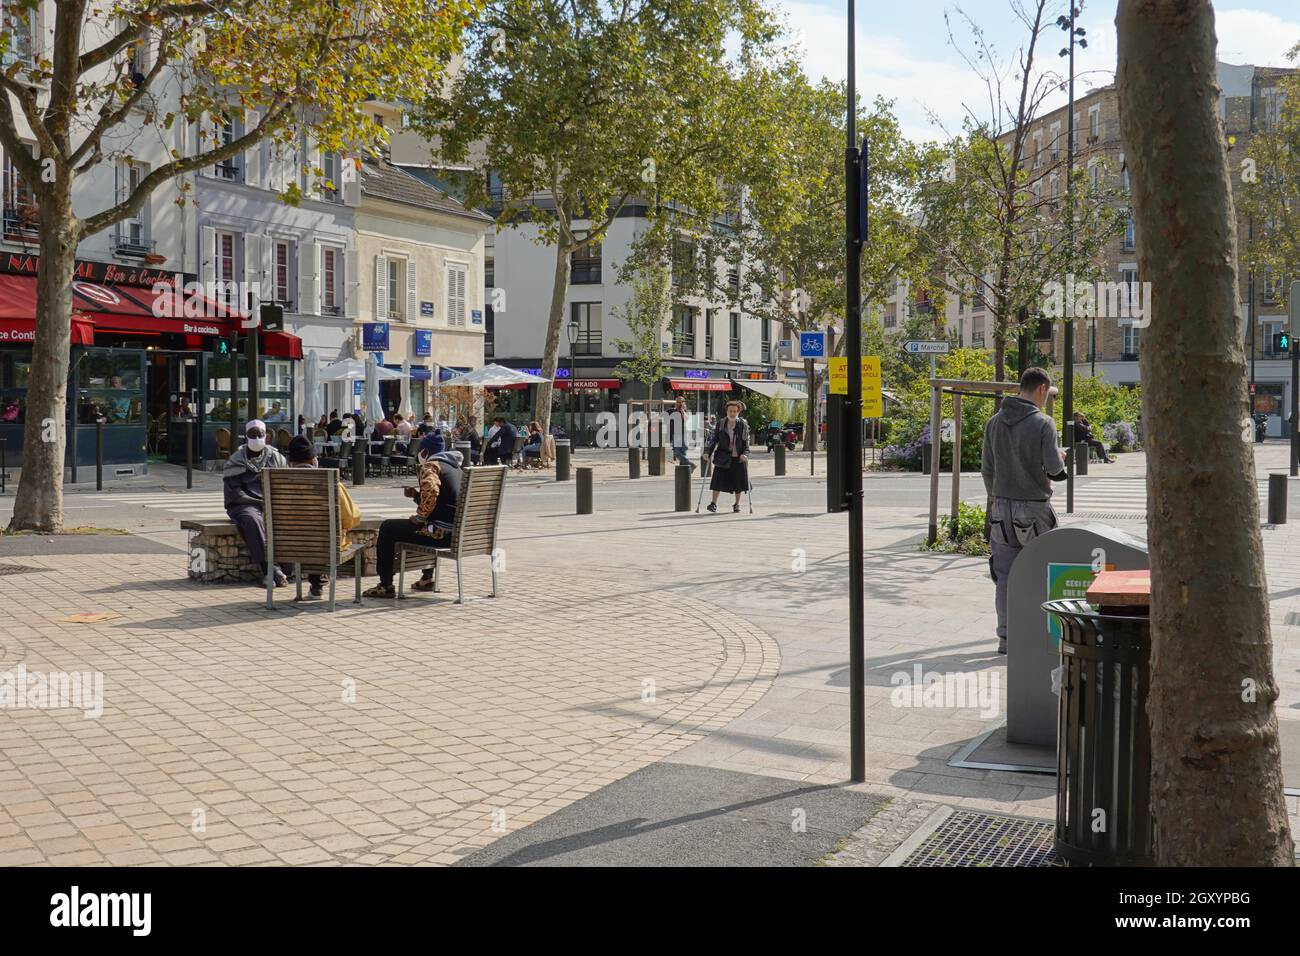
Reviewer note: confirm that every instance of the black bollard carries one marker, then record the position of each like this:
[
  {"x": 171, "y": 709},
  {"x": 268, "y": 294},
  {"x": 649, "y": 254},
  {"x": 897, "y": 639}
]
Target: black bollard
[
  {"x": 359, "y": 463},
  {"x": 1081, "y": 458},
  {"x": 3, "y": 464},
  {"x": 464, "y": 448},
  {"x": 682, "y": 488},
  {"x": 585, "y": 493},
  {"x": 562, "y": 449},
  {"x": 927, "y": 454},
  {"x": 779, "y": 464},
  {"x": 1277, "y": 499},
  {"x": 656, "y": 461},
  {"x": 99, "y": 456},
  {"x": 634, "y": 463},
  {"x": 189, "y": 454}
]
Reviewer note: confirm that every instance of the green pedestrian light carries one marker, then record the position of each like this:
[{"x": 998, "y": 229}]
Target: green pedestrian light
[{"x": 1281, "y": 341}]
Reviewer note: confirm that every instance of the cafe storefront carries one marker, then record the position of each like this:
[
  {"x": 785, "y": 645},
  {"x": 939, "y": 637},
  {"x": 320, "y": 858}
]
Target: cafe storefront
[{"x": 143, "y": 361}]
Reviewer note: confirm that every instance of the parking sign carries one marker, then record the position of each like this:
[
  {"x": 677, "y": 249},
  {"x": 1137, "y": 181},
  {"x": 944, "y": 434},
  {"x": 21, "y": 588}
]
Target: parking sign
[{"x": 812, "y": 345}]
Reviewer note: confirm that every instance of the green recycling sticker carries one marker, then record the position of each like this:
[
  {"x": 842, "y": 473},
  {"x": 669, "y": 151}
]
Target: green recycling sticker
[{"x": 1064, "y": 582}]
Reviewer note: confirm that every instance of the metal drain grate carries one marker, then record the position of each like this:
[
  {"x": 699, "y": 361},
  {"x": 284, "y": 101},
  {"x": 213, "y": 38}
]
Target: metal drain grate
[
  {"x": 17, "y": 569},
  {"x": 1112, "y": 515},
  {"x": 983, "y": 839}
]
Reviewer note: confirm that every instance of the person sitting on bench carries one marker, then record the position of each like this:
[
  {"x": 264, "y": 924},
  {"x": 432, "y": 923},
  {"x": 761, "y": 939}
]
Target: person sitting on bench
[
  {"x": 1083, "y": 433},
  {"x": 302, "y": 454},
  {"x": 532, "y": 449},
  {"x": 241, "y": 480},
  {"x": 432, "y": 524}
]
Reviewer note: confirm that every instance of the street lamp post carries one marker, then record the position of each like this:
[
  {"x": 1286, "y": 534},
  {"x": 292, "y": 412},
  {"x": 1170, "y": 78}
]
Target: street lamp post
[
  {"x": 572, "y": 331},
  {"x": 1067, "y": 329}
]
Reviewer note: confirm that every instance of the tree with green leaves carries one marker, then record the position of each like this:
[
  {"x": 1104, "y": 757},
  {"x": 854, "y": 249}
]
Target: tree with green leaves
[
  {"x": 993, "y": 216},
  {"x": 646, "y": 316},
  {"x": 573, "y": 110},
  {"x": 125, "y": 75}
]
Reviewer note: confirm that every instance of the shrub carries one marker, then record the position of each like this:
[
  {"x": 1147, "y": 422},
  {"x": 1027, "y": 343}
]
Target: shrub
[
  {"x": 964, "y": 535},
  {"x": 1120, "y": 436}
]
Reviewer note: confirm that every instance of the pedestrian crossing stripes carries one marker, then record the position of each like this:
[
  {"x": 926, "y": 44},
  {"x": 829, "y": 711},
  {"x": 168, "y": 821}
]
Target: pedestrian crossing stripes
[
  {"x": 210, "y": 506},
  {"x": 1106, "y": 494}
]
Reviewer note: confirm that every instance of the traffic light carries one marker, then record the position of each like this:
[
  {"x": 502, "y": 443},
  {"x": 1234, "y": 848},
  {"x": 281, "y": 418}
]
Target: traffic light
[
  {"x": 221, "y": 347},
  {"x": 1281, "y": 341}
]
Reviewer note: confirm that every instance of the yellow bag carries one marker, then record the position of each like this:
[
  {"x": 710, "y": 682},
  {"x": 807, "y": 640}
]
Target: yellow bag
[{"x": 349, "y": 515}]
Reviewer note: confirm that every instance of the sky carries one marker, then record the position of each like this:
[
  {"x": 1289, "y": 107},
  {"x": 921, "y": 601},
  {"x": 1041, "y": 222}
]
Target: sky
[{"x": 904, "y": 52}]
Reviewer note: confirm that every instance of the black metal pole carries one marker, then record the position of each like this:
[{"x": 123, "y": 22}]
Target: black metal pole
[
  {"x": 254, "y": 384},
  {"x": 1067, "y": 326},
  {"x": 4, "y": 465},
  {"x": 99, "y": 455},
  {"x": 189, "y": 453},
  {"x": 234, "y": 396},
  {"x": 1295, "y": 409},
  {"x": 853, "y": 240}
]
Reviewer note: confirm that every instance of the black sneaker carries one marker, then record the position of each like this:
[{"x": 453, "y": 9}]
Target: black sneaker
[
  {"x": 1002, "y": 645},
  {"x": 712, "y": 508},
  {"x": 735, "y": 509}
]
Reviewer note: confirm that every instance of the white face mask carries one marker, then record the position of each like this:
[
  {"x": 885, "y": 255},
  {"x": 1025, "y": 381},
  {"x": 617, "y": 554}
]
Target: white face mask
[{"x": 256, "y": 444}]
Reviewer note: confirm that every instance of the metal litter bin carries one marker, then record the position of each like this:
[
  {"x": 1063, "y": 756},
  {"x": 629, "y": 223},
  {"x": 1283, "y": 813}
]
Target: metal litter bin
[{"x": 1103, "y": 742}]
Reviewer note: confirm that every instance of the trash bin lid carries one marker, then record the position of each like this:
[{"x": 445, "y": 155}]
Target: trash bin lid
[{"x": 1121, "y": 589}]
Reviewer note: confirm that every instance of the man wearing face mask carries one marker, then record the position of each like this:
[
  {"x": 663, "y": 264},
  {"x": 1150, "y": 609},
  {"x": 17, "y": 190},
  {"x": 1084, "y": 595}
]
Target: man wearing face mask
[
  {"x": 436, "y": 497},
  {"x": 242, "y": 484}
]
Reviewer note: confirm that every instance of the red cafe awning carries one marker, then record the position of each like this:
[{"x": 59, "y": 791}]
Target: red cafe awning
[
  {"x": 23, "y": 331},
  {"x": 158, "y": 310},
  {"x": 700, "y": 384}
]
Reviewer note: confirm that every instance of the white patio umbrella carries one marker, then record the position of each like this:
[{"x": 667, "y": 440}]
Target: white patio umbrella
[
  {"x": 404, "y": 407},
  {"x": 374, "y": 410},
  {"x": 311, "y": 398},
  {"x": 494, "y": 376},
  {"x": 354, "y": 370}
]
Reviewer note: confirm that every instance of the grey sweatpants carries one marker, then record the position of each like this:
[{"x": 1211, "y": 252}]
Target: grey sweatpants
[{"x": 1012, "y": 525}]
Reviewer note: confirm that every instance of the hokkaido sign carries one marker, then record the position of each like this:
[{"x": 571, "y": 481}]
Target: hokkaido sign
[{"x": 873, "y": 399}]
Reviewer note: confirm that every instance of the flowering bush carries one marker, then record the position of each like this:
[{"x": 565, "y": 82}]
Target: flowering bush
[
  {"x": 908, "y": 454},
  {"x": 1120, "y": 436}
]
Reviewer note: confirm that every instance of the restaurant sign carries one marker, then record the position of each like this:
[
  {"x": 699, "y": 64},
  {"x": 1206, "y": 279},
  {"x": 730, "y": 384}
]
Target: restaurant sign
[{"x": 103, "y": 273}]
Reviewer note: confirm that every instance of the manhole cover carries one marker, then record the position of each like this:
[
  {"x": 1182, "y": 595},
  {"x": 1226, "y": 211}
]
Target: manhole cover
[
  {"x": 983, "y": 839},
  {"x": 17, "y": 569}
]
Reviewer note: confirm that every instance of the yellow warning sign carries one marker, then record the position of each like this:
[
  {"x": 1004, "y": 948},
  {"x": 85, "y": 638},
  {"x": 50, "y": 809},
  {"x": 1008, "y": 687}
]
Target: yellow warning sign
[{"x": 873, "y": 402}]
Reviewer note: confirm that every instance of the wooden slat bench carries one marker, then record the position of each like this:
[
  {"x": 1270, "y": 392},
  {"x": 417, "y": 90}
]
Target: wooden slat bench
[
  {"x": 474, "y": 529},
  {"x": 217, "y": 554},
  {"x": 301, "y": 510}
]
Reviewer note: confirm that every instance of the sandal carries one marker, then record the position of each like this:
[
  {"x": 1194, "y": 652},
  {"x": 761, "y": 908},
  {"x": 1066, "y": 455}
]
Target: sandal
[
  {"x": 380, "y": 591},
  {"x": 424, "y": 584}
]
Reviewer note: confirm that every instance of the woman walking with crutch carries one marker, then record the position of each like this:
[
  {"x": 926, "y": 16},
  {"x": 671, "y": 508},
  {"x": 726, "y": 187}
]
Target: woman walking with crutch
[{"x": 729, "y": 447}]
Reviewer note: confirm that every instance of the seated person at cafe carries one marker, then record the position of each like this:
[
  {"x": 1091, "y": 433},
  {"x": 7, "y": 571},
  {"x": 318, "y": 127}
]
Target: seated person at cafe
[
  {"x": 436, "y": 496},
  {"x": 241, "y": 479},
  {"x": 500, "y": 446},
  {"x": 302, "y": 454},
  {"x": 533, "y": 444},
  {"x": 403, "y": 428},
  {"x": 384, "y": 428},
  {"x": 277, "y": 414},
  {"x": 335, "y": 424},
  {"x": 426, "y": 425}
]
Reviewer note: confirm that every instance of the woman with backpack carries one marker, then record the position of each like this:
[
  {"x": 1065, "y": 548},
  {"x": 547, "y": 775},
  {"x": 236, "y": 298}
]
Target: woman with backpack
[{"x": 729, "y": 447}]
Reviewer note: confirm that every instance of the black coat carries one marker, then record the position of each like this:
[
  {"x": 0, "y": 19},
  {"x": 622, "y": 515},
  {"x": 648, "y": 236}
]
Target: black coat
[
  {"x": 717, "y": 443},
  {"x": 501, "y": 446}
]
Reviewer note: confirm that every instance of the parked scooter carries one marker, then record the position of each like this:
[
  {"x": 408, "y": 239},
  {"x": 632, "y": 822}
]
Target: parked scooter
[{"x": 1261, "y": 425}]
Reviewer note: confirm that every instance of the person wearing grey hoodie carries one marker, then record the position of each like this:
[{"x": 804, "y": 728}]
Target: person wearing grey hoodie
[{"x": 1019, "y": 462}]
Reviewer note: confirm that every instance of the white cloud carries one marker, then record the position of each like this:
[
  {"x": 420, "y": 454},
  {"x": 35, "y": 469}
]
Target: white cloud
[{"x": 1251, "y": 36}]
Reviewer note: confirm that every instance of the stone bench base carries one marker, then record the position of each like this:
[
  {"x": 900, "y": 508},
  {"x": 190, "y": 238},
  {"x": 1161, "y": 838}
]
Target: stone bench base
[{"x": 218, "y": 555}]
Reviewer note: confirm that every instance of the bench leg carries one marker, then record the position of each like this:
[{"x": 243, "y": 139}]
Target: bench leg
[
  {"x": 270, "y": 584},
  {"x": 357, "y": 568},
  {"x": 494, "y": 576},
  {"x": 401, "y": 572},
  {"x": 297, "y": 577},
  {"x": 460, "y": 586},
  {"x": 435, "y": 573},
  {"x": 333, "y": 578}
]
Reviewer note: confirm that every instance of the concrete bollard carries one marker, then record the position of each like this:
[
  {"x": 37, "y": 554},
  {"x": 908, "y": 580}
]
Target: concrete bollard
[
  {"x": 1081, "y": 458},
  {"x": 1277, "y": 498},
  {"x": 562, "y": 450},
  {"x": 682, "y": 488},
  {"x": 359, "y": 463},
  {"x": 634, "y": 463},
  {"x": 585, "y": 490},
  {"x": 779, "y": 464}
]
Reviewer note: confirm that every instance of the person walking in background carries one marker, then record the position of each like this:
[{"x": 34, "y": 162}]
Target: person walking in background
[
  {"x": 1083, "y": 433},
  {"x": 677, "y": 431},
  {"x": 439, "y": 489},
  {"x": 1019, "y": 462},
  {"x": 302, "y": 454},
  {"x": 241, "y": 480},
  {"x": 729, "y": 447}
]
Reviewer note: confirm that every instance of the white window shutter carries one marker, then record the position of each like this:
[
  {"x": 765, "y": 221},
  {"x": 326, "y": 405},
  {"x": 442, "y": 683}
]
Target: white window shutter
[
  {"x": 253, "y": 266},
  {"x": 460, "y": 296},
  {"x": 268, "y": 270},
  {"x": 381, "y": 288},
  {"x": 252, "y": 155},
  {"x": 351, "y": 181},
  {"x": 412, "y": 292},
  {"x": 351, "y": 281},
  {"x": 309, "y": 162},
  {"x": 208, "y": 257},
  {"x": 309, "y": 278}
]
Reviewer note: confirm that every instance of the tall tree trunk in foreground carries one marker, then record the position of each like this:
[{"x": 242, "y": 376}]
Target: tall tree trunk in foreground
[{"x": 1216, "y": 771}]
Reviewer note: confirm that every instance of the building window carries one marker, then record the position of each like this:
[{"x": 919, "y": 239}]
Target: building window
[
  {"x": 131, "y": 236},
  {"x": 684, "y": 263},
  {"x": 1094, "y": 125},
  {"x": 977, "y": 332},
  {"x": 1132, "y": 341},
  {"x": 489, "y": 332},
  {"x": 396, "y": 289},
  {"x": 21, "y": 215},
  {"x": 733, "y": 340},
  {"x": 331, "y": 280},
  {"x": 489, "y": 272},
  {"x": 226, "y": 131},
  {"x": 584, "y": 264},
  {"x": 455, "y": 294},
  {"x": 225, "y": 267},
  {"x": 1270, "y": 329},
  {"x": 684, "y": 331},
  {"x": 281, "y": 278},
  {"x": 588, "y": 317},
  {"x": 1130, "y": 233},
  {"x": 331, "y": 166},
  {"x": 21, "y": 25},
  {"x": 1270, "y": 286},
  {"x": 708, "y": 332}
]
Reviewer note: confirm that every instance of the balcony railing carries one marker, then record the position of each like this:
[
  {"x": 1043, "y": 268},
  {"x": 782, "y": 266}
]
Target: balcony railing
[
  {"x": 136, "y": 247},
  {"x": 588, "y": 343},
  {"x": 228, "y": 170},
  {"x": 767, "y": 352},
  {"x": 684, "y": 343},
  {"x": 22, "y": 223},
  {"x": 734, "y": 348}
]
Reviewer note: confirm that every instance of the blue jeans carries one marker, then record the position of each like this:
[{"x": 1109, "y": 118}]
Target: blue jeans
[{"x": 679, "y": 453}]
